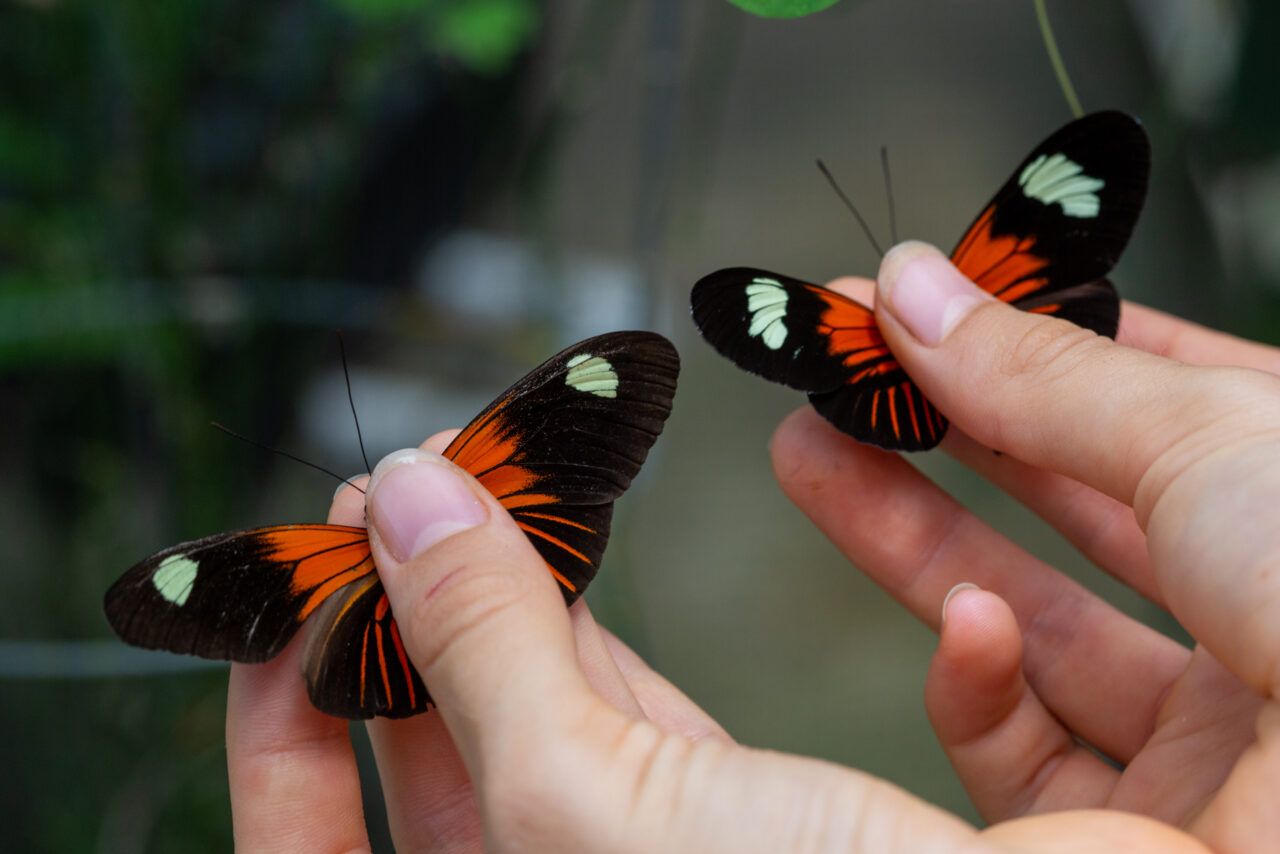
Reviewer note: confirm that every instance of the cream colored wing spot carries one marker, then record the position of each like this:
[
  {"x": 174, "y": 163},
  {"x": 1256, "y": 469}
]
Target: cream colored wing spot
[
  {"x": 767, "y": 302},
  {"x": 174, "y": 578},
  {"x": 592, "y": 374},
  {"x": 1055, "y": 179}
]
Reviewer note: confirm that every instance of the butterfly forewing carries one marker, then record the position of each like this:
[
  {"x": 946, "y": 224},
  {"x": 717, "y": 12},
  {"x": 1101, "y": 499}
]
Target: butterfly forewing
[
  {"x": 565, "y": 441},
  {"x": 1062, "y": 220},
  {"x": 556, "y": 449},
  {"x": 241, "y": 595},
  {"x": 1044, "y": 244},
  {"x": 783, "y": 329}
]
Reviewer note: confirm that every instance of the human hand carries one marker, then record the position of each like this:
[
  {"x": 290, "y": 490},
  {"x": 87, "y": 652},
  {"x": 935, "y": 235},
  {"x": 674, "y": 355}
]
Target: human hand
[
  {"x": 1164, "y": 473},
  {"x": 550, "y": 735},
  {"x": 294, "y": 781},
  {"x": 556, "y": 735}
]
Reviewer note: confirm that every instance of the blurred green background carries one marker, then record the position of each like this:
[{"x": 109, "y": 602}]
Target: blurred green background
[{"x": 194, "y": 195}]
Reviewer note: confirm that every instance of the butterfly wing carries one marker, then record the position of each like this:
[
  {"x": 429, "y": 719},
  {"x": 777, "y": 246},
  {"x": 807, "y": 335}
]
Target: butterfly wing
[
  {"x": 555, "y": 449},
  {"x": 816, "y": 340},
  {"x": 560, "y": 445},
  {"x": 355, "y": 663},
  {"x": 241, "y": 595},
  {"x": 1044, "y": 243},
  {"x": 1059, "y": 224}
]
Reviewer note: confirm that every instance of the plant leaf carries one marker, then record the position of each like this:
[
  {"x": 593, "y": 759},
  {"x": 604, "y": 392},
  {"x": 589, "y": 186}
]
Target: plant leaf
[{"x": 782, "y": 8}]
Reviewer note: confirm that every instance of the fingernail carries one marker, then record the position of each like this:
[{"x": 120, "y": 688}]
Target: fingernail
[
  {"x": 351, "y": 482},
  {"x": 964, "y": 585},
  {"x": 416, "y": 499},
  {"x": 925, "y": 292}
]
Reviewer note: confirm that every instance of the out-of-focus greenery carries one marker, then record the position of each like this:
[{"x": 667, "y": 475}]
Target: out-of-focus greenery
[
  {"x": 782, "y": 8},
  {"x": 193, "y": 195}
]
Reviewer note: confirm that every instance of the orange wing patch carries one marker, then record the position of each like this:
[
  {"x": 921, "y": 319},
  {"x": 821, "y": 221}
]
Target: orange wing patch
[
  {"x": 852, "y": 336},
  {"x": 323, "y": 558},
  {"x": 1005, "y": 267}
]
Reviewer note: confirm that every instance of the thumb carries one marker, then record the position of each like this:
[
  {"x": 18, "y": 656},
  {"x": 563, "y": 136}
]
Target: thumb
[
  {"x": 1042, "y": 389},
  {"x": 478, "y": 613}
]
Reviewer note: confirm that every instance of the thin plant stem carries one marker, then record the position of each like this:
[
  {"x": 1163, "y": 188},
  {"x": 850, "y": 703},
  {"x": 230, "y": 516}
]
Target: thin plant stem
[{"x": 1055, "y": 59}]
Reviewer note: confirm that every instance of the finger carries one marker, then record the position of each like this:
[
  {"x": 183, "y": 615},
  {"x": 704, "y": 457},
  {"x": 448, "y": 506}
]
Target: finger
[
  {"x": 1156, "y": 434},
  {"x": 663, "y": 703},
  {"x": 279, "y": 745},
  {"x": 1047, "y": 392},
  {"x": 1102, "y": 673},
  {"x": 1243, "y": 816},
  {"x": 1105, "y": 530},
  {"x": 1012, "y": 755},
  {"x": 1165, "y": 335},
  {"x": 595, "y": 656},
  {"x": 479, "y": 614},
  {"x": 429, "y": 799},
  {"x": 431, "y": 803}
]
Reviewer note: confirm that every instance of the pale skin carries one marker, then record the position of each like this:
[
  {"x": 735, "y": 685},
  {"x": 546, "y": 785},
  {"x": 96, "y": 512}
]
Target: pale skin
[{"x": 1159, "y": 458}]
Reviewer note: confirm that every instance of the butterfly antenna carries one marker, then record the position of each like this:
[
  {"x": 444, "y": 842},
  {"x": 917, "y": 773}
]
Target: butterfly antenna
[
  {"x": 888, "y": 191},
  {"x": 346, "y": 375},
  {"x": 862, "y": 222},
  {"x": 296, "y": 459}
]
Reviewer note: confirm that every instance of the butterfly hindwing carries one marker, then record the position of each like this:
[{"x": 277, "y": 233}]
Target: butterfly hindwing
[
  {"x": 888, "y": 411},
  {"x": 556, "y": 449},
  {"x": 1044, "y": 244},
  {"x": 355, "y": 663}
]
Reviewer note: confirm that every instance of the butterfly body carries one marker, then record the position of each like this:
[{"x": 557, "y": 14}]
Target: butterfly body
[
  {"x": 1044, "y": 243},
  {"x": 555, "y": 449}
]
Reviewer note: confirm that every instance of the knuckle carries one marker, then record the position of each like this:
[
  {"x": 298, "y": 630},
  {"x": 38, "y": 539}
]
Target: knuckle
[
  {"x": 461, "y": 605},
  {"x": 1049, "y": 349}
]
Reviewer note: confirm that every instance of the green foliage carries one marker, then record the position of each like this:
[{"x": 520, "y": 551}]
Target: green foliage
[
  {"x": 782, "y": 8},
  {"x": 485, "y": 36}
]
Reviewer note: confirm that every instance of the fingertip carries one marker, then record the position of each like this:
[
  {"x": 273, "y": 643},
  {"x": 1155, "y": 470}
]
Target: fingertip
[
  {"x": 959, "y": 588},
  {"x": 417, "y": 499},
  {"x": 975, "y": 677},
  {"x": 855, "y": 288},
  {"x": 805, "y": 450},
  {"x": 439, "y": 441},
  {"x": 347, "y": 507},
  {"x": 920, "y": 288},
  {"x": 793, "y": 440}
]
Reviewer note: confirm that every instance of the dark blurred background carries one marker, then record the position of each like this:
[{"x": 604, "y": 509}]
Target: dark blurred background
[{"x": 195, "y": 195}]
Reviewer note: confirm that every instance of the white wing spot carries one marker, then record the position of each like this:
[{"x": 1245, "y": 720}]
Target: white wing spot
[
  {"x": 767, "y": 302},
  {"x": 592, "y": 374},
  {"x": 174, "y": 578},
  {"x": 1054, "y": 179}
]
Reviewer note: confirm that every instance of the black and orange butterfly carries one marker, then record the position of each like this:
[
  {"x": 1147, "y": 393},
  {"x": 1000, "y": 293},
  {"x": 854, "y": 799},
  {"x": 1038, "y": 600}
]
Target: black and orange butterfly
[
  {"x": 555, "y": 449},
  {"x": 1044, "y": 243}
]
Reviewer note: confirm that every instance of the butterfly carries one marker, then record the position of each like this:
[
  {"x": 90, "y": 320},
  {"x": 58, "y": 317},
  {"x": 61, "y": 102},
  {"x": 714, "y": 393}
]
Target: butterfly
[
  {"x": 555, "y": 449},
  {"x": 1044, "y": 243}
]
